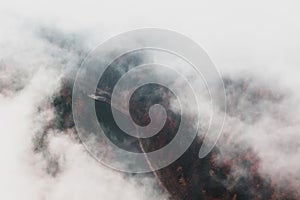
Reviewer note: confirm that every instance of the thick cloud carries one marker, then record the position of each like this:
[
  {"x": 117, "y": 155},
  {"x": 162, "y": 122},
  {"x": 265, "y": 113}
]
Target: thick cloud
[
  {"x": 39, "y": 160},
  {"x": 40, "y": 43}
]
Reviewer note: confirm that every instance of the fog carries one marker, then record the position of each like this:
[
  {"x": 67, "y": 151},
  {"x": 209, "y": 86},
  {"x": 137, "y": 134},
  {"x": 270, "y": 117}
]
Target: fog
[{"x": 257, "y": 42}]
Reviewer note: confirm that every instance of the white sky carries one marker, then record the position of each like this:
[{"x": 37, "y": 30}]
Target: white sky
[
  {"x": 236, "y": 34},
  {"x": 260, "y": 37}
]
